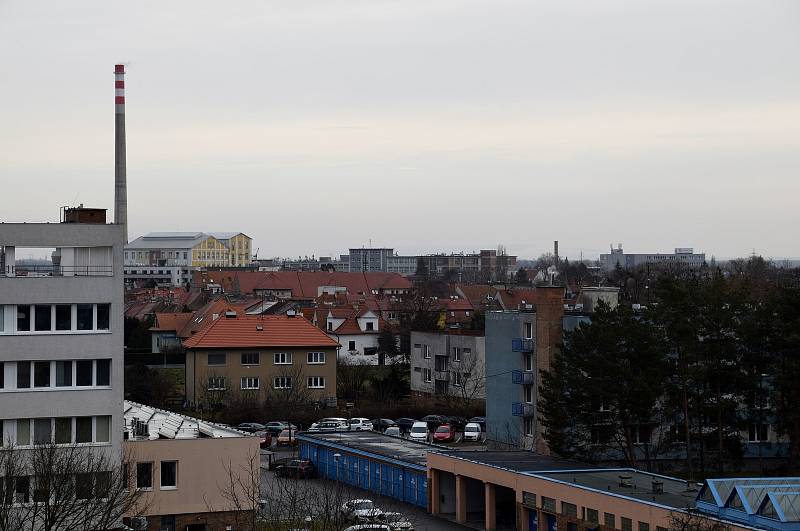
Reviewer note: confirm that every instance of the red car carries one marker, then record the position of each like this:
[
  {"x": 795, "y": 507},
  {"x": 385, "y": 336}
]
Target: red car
[
  {"x": 444, "y": 433},
  {"x": 266, "y": 439}
]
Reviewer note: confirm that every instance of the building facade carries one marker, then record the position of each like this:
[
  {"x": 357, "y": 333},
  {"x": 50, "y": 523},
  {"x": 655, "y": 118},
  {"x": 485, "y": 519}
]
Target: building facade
[
  {"x": 61, "y": 336},
  {"x": 449, "y": 364},
  {"x": 487, "y": 265},
  {"x": 683, "y": 257}
]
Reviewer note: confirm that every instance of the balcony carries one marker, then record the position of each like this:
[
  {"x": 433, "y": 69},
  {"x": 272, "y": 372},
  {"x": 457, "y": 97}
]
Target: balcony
[
  {"x": 522, "y": 377},
  {"x": 50, "y": 270},
  {"x": 522, "y": 409},
  {"x": 521, "y": 345}
]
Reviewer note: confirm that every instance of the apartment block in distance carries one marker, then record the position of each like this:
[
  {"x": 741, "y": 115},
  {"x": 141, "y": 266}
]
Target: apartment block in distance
[{"x": 61, "y": 333}]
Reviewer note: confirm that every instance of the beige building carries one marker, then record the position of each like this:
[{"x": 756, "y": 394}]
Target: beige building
[
  {"x": 266, "y": 357},
  {"x": 181, "y": 465},
  {"x": 239, "y": 245}
]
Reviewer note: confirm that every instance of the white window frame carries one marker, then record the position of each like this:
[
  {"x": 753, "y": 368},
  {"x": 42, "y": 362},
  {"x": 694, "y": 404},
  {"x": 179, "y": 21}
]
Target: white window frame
[
  {"x": 249, "y": 383},
  {"x": 456, "y": 379},
  {"x": 426, "y": 352},
  {"x": 284, "y": 380},
  {"x": 456, "y": 353},
  {"x": 316, "y": 358},
  {"x": 282, "y": 358},
  {"x": 316, "y": 382},
  {"x": 213, "y": 386},
  {"x": 256, "y": 354},
  {"x": 427, "y": 374},
  {"x": 529, "y": 330}
]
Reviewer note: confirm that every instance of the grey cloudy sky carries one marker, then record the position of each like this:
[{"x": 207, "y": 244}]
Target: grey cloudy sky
[{"x": 317, "y": 125}]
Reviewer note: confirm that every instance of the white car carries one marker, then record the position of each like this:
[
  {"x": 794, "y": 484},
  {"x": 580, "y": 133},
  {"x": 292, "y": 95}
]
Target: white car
[
  {"x": 472, "y": 432},
  {"x": 392, "y": 430},
  {"x": 360, "y": 424},
  {"x": 369, "y": 527},
  {"x": 361, "y": 510},
  {"x": 419, "y": 432},
  {"x": 328, "y": 424},
  {"x": 396, "y": 521}
]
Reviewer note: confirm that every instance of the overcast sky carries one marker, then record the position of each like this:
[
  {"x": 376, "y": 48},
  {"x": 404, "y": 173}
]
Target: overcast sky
[{"x": 314, "y": 126}]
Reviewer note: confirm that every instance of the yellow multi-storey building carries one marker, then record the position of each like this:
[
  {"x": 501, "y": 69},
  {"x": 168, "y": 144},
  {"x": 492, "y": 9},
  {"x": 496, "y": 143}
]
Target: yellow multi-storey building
[{"x": 240, "y": 246}]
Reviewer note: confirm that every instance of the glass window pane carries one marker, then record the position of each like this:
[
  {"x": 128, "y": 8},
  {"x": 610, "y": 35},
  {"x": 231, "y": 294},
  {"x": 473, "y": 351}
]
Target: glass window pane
[
  {"x": 83, "y": 372},
  {"x": 64, "y": 430},
  {"x": 42, "y": 431},
  {"x": 103, "y": 316},
  {"x": 83, "y": 486},
  {"x": 85, "y": 317},
  {"x": 41, "y": 374},
  {"x": 216, "y": 359},
  {"x": 169, "y": 473},
  {"x": 63, "y": 317},
  {"x": 144, "y": 475},
  {"x": 43, "y": 318},
  {"x": 23, "y": 318},
  {"x": 103, "y": 372},
  {"x": 23, "y": 432},
  {"x": 23, "y": 374},
  {"x": 103, "y": 429},
  {"x": 2, "y": 318},
  {"x": 63, "y": 373},
  {"x": 2, "y": 376},
  {"x": 83, "y": 429}
]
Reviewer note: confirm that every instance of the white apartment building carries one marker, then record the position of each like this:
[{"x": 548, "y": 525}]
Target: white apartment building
[{"x": 61, "y": 336}]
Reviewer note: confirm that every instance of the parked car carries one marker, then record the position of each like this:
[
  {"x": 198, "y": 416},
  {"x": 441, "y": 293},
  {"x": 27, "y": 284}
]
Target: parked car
[
  {"x": 419, "y": 431},
  {"x": 287, "y": 438},
  {"x": 276, "y": 427},
  {"x": 396, "y": 521},
  {"x": 369, "y": 527},
  {"x": 382, "y": 424},
  {"x": 472, "y": 432},
  {"x": 480, "y": 421},
  {"x": 434, "y": 421},
  {"x": 250, "y": 427},
  {"x": 405, "y": 424},
  {"x": 333, "y": 425},
  {"x": 361, "y": 510},
  {"x": 360, "y": 424},
  {"x": 392, "y": 430},
  {"x": 266, "y": 439},
  {"x": 317, "y": 425},
  {"x": 296, "y": 468},
  {"x": 457, "y": 423},
  {"x": 444, "y": 433}
]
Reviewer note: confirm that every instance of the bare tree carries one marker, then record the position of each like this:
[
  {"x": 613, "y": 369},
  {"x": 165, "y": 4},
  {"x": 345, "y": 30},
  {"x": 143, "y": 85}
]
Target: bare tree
[
  {"x": 65, "y": 487},
  {"x": 691, "y": 520},
  {"x": 468, "y": 385}
]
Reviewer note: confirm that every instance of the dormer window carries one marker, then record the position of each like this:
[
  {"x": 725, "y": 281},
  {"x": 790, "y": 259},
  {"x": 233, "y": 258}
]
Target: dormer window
[
  {"x": 370, "y": 326},
  {"x": 330, "y": 326}
]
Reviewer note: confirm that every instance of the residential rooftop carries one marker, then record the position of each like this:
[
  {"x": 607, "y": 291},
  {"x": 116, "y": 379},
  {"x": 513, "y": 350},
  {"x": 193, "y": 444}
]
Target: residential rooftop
[
  {"x": 412, "y": 452},
  {"x": 231, "y": 330},
  {"x": 150, "y": 423}
]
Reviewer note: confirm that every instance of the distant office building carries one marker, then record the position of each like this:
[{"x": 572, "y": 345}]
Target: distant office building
[
  {"x": 487, "y": 265},
  {"x": 682, "y": 257},
  {"x": 449, "y": 364},
  {"x": 370, "y": 260}
]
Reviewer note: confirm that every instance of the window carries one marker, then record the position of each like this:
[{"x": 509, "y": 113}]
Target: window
[
  {"x": 592, "y": 516},
  {"x": 2, "y": 372},
  {"x": 528, "y": 362},
  {"x": 23, "y": 318},
  {"x": 426, "y": 375},
  {"x": 528, "y": 392},
  {"x": 22, "y": 489},
  {"x": 641, "y": 434},
  {"x": 216, "y": 383},
  {"x": 457, "y": 379},
  {"x": 370, "y": 326},
  {"x": 569, "y": 509},
  {"x": 217, "y": 359},
  {"x": 316, "y": 382},
  {"x": 42, "y": 318},
  {"x": 466, "y": 351},
  {"x": 103, "y": 372},
  {"x": 250, "y": 358},
  {"x": 42, "y": 431},
  {"x": 83, "y": 486},
  {"x": 283, "y": 382},
  {"x": 758, "y": 433},
  {"x": 283, "y": 358},
  {"x": 250, "y": 382},
  {"x": 63, "y": 373},
  {"x": 456, "y": 353},
  {"x": 626, "y": 524},
  {"x": 529, "y": 426},
  {"x": 610, "y": 520},
  {"x": 2, "y": 328},
  {"x": 548, "y": 504},
  {"x": 426, "y": 352},
  {"x": 83, "y": 373},
  {"x": 102, "y": 484},
  {"x": 351, "y": 346},
  {"x": 23, "y": 432},
  {"x": 643, "y": 526},
  {"x": 528, "y": 330},
  {"x": 103, "y": 316},
  {"x": 330, "y": 326},
  {"x": 83, "y": 429},
  {"x": 316, "y": 357},
  {"x": 63, "y": 430},
  {"x": 41, "y": 374},
  {"x": 144, "y": 475},
  {"x": 169, "y": 474},
  {"x": 102, "y": 425},
  {"x": 85, "y": 317},
  {"x": 23, "y": 374},
  {"x": 63, "y": 317}
]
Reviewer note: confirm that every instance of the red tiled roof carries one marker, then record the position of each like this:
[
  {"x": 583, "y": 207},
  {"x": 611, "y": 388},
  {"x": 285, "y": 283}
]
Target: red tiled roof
[
  {"x": 242, "y": 332},
  {"x": 171, "y": 322}
]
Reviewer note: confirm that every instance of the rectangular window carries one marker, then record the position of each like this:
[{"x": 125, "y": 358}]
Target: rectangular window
[
  {"x": 23, "y": 374},
  {"x": 283, "y": 382},
  {"x": 456, "y": 353},
  {"x": 457, "y": 379},
  {"x": 63, "y": 430},
  {"x": 216, "y": 383},
  {"x": 144, "y": 475},
  {"x": 85, "y": 318},
  {"x": 42, "y": 431},
  {"x": 758, "y": 433},
  {"x": 528, "y": 392},
  {"x": 102, "y": 425},
  {"x": 83, "y": 429},
  {"x": 2, "y": 373},
  {"x": 316, "y": 357},
  {"x": 610, "y": 520},
  {"x": 283, "y": 358},
  {"x": 370, "y": 326},
  {"x": 644, "y": 526},
  {"x": 103, "y": 316},
  {"x": 549, "y": 504},
  {"x": 592, "y": 516},
  {"x": 22, "y": 489},
  {"x": 250, "y": 358},
  {"x": 23, "y": 318},
  {"x": 103, "y": 372},
  {"x": 626, "y": 524},
  {"x": 351, "y": 346},
  {"x": 529, "y": 426},
  {"x": 426, "y": 352},
  {"x": 2, "y": 329},
  {"x": 169, "y": 474},
  {"x": 426, "y": 375},
  {"x": 41, "y": 374},
  {"x": 63, "y": 373},
  {"x": 569, "y": 509},
  {"x": 23, "y": 432},
  {"x": 102, "y": 485},
  {"x": 43, "y": 318},
  {"x": 83, "y": 373},
  {"x": 63, "y": 317},
  {"x": 316, "y": 382},
  {"x": 528, "y": 362},
  {"x": 217, "y": 359},
  {"x": 250, "y": 382}
]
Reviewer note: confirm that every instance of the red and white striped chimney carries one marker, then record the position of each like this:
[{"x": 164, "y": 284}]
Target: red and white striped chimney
[{"x": 120, "y": 170}]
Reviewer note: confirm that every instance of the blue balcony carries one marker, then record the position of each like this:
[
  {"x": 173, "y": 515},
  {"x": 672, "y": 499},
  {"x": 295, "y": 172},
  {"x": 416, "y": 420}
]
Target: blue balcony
[
  {"x": 521, "y": 345},
  {"x": 522, "y": 409},
  {"x": 522, "y": 377}
]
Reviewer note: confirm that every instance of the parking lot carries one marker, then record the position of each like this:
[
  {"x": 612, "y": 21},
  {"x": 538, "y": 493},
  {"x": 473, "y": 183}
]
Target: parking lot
[{"x": 316, "y": 495}]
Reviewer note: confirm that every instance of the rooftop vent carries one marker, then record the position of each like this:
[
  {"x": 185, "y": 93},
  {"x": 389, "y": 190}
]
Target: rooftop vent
[
  {"x": 259, "y": 328},
  {"x": 230, "y": 314},
  {"x": 291, "y": 313},
  {"x": 626, "y": 480},
  {"x": 658, "y": 487}
]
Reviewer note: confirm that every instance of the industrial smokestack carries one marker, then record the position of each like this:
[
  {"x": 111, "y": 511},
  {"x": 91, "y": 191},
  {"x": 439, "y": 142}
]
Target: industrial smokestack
[
  {"x": 120, "y": 172},
  {"x": 555, "y": 250}
]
